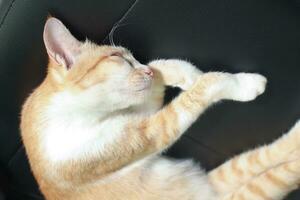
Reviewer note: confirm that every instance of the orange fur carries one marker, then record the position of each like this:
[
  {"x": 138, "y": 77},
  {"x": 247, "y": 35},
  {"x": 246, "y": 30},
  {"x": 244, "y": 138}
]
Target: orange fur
[{"x": 267, "y": 164}]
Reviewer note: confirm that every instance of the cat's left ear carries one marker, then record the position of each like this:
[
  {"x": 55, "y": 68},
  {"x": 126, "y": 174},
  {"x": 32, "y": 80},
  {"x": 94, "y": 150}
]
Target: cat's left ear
[{"x": 62, "y": 47}]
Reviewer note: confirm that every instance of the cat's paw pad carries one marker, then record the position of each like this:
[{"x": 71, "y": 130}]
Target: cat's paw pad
[{"x": 248, "y": 86}]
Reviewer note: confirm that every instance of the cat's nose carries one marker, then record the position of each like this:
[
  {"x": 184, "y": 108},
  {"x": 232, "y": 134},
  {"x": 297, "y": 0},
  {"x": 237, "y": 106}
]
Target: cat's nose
[{"x": 149, "y": 72}]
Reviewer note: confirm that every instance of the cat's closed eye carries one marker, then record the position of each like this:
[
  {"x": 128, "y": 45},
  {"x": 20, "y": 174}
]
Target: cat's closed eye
[{"x": 117, "y": 54}]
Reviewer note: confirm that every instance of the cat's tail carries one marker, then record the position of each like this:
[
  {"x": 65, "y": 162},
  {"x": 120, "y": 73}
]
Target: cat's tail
[{"x": 251, "y": 166}]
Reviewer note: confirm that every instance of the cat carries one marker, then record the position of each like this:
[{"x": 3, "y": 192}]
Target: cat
[{"x": 96, "y": 126}]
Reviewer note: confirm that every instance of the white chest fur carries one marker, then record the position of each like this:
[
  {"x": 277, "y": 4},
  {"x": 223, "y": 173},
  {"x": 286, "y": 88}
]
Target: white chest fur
[{"x": 68, "y": 138}]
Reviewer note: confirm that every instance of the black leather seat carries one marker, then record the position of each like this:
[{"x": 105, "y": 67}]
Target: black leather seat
[
  {"x": 2, "y": 196},
  {"x": 250, "y": 35}
]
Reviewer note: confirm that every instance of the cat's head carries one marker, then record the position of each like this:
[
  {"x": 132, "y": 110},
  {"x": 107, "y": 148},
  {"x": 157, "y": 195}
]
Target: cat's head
[{"x": 89, "y": 76}]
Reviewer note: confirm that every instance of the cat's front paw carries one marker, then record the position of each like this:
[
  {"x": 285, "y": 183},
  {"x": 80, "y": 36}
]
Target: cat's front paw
[
  {"x": 248, "y": 86},
  {"x": 177, "y": 73},
  {"x": 189, "y": 79},
  {"x": 186, "y": 72}
]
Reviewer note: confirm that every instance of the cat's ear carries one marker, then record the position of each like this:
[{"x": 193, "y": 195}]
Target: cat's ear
[{"x": 62, "y": 47}]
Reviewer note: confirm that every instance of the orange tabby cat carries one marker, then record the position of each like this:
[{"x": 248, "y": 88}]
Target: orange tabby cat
[{"x": 95, "y": 128}]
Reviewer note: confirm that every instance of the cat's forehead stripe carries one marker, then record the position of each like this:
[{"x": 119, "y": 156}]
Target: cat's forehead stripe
[{"x": 93, "y": 66}]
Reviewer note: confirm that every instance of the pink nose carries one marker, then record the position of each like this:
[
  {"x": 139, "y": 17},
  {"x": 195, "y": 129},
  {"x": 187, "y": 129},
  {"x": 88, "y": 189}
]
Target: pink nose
[{"x": 149, "y": 72}]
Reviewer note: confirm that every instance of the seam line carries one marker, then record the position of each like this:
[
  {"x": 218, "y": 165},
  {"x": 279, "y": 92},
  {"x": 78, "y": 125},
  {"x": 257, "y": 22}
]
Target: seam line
[
  {"x": 7, "y": 12},
  {"x": 203, "y": 145},
  {"x": 13, "y": 156}
]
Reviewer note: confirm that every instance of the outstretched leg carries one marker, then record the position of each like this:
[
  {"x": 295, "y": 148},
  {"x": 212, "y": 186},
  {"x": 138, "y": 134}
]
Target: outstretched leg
[
  {"x": 183, "y": 74},
  {"x": 239, "y": 171},
  {"x": 273, "y": 184}
]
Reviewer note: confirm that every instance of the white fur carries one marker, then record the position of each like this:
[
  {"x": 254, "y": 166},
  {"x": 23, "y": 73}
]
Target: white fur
[
  {"x": 167, "y": 171},
  {"x": 249, "y": 86},
  {"x": 178, "y": 68},
  {"x": 237, "y": 87},
  {"x": 71, "y": 134}
]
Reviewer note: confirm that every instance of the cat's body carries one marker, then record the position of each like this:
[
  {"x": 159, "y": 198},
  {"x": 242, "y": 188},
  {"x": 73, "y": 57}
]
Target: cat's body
[
  {"x": 95, "y": 128},
  {"x": 151, "y": 177}
]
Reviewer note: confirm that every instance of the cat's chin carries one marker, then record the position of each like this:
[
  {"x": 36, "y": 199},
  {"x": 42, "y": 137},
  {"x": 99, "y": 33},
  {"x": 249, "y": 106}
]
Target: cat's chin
[
  {"x": 141, "y": 96},
  {"x": 145, "y": 88}
]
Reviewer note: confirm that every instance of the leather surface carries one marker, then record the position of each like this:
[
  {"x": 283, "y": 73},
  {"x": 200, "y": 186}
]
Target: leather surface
[{"x": 250, "y": 35}]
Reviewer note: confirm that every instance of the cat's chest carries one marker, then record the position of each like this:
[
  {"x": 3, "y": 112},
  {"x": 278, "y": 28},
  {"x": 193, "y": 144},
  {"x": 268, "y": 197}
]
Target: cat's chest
[{"x": 65, "y": 140}]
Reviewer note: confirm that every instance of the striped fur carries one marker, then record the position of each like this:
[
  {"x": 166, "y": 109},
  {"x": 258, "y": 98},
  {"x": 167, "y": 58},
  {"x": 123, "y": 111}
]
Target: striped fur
[
  {"x": 95, "y": 127},
  {"x": 268, "y": 172}
]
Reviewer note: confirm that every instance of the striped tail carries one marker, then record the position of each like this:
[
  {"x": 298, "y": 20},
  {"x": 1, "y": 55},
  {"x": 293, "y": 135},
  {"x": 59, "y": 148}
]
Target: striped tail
[{"x": 248, "y": 168}]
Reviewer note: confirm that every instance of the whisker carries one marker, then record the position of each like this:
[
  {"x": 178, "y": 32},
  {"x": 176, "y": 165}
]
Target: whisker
[
  {"x": 118, "y": 24},
  {"x": 111, "y": 33}
]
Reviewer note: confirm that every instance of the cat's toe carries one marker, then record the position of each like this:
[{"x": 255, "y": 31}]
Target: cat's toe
[{"x": 249, "y": 86}]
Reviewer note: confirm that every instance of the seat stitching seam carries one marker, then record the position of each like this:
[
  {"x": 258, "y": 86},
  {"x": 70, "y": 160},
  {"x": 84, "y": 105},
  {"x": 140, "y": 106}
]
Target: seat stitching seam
[
  {"x": 7, "y": 12},
  {"x": 13, "y": 157}
]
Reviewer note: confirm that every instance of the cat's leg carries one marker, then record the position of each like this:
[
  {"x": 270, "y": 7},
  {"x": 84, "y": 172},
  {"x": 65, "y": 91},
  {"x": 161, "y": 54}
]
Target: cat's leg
[
  {"x": 169, "y": 123},
  {"x": 273, "y": 184},
  {"x": 143, "y": 137},
  {"x": 242, "y": 168},
  {"x": 175, "y": 72},
  {"x": 169, "y": 72}
]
